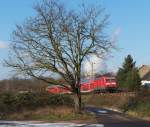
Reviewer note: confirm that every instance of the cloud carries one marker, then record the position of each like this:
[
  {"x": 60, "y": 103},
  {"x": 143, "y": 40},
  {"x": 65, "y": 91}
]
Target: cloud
[
  {"x": 115, "y": 34},
  {"x": 3, "y": 45},
  {"x": 94, "y": 65}
]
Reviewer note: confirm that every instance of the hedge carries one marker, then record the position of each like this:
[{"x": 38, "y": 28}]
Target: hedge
[{"x": 11, "y": 102}]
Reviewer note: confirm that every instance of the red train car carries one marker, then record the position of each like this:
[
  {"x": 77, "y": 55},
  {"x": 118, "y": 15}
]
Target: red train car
[
  {"x": 56, "y": 89},
  {"x": 100, "y": 84}
]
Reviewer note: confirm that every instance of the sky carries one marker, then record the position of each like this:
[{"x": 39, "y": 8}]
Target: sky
[{"x": 129, "y": 24}]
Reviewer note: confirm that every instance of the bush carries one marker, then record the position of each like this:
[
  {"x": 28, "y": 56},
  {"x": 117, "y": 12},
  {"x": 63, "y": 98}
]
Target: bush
[
  {"x": 139, "y": 104},
  {"x": 60, "y": 100},
  {"x": 26, "y": 100},
  {"x": 10, "y": 102},
  {"x": 7, "y": 102}
]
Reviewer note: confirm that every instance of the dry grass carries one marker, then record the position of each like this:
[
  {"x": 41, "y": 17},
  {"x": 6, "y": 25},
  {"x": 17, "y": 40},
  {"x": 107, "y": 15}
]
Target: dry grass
[
  {"x": 52, "y": 114},
  {"x": 138, "y": 115},
  {"x": 64, "y": 110},
  {"x": 116, "y": 100}
]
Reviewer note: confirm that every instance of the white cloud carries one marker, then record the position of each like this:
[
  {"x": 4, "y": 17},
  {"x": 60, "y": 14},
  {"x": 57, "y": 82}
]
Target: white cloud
[
  {"x": 94, "y": 65},
  {"x": 3, "y": 45},
  {"x": 115, "y": 34}
]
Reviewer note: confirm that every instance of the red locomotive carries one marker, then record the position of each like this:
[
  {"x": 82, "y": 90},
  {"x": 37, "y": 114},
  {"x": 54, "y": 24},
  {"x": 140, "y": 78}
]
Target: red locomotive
[{"x": 100, "y": 84}]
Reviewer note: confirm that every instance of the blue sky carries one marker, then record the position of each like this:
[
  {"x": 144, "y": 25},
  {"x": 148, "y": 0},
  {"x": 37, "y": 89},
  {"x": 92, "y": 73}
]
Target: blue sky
[{"x": 129, "y": 22}]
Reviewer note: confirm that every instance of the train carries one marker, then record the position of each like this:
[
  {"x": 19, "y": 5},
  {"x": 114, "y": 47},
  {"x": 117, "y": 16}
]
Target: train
[{"x": 101, "y": 84}]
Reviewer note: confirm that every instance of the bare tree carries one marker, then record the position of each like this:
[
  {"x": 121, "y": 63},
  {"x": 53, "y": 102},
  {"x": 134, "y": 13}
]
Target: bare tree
[{"x": 56, "y": 41}]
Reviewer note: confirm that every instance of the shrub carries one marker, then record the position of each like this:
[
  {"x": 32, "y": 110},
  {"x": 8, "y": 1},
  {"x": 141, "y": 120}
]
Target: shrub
[
  {"x": 26, "y": 100},
  {"x": 140, "y": 103},
  {"x": 11, "y": 102},
  {"x": 7, "y": 102},
  {"x": 60, "y": 100}
]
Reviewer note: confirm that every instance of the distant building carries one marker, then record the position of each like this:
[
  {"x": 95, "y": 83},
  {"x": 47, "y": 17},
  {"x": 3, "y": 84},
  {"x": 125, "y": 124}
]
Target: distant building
[{"x": 144, "y": 72}]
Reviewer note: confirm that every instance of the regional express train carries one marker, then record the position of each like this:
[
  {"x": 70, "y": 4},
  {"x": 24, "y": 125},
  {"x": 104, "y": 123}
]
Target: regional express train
[{"x": 100, "y": 84}]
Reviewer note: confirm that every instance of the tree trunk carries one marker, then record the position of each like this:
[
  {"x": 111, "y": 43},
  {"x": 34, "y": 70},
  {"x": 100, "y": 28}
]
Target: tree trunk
[{"x": 78, "y": 102}]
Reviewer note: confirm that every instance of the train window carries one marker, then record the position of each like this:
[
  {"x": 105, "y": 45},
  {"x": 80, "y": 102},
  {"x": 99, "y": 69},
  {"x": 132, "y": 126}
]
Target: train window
[
  {"x": 113, "y": 80},
  {"x": 107, "y": 80},
  {"x": 110, "y": 80}
]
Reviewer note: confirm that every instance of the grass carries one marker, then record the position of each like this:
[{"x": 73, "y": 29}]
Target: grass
[
  {"x": 140, "y": 110},
  {"x": 51, "y": 114},
  {"x": 116, "y": 100}
]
